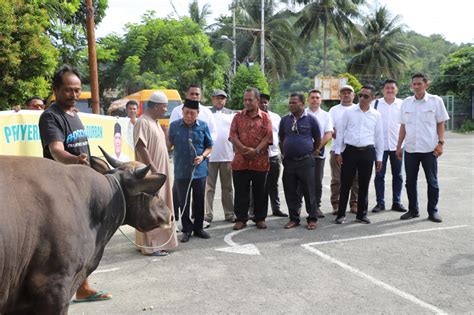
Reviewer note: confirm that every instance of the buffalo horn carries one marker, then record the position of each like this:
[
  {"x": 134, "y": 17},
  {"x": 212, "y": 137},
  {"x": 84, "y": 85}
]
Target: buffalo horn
[
  {"x": 112, "y": 161},
  {"x": 142, "y": 171}
]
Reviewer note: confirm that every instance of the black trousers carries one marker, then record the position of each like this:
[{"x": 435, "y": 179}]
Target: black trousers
[
  {"x": 243, "y": 180},
  {"x": 361, "y": 162},
  {"x": 318, "y": 180},
  {"x": 271, "y": 185},
  {"x": 198, "y": 187},
  {"x": 299, "y": 175}
]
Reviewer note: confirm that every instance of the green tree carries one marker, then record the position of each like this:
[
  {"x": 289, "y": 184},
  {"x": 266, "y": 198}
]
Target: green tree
[
  {"x": 280, "y": 40},
  {"x": 330, "y": 16},
  {"x": 310, "y": 64},
  {"x": 380, "y": 52},
  {"x": 457, "y": 75},
  {"x": 67, "y": 27},
  {"x": 27, "y": 57},
  {"x": 160, "y": 53},
  {"x": 431, "y": 52},
  {"x": 199, "y": 16},
  {"x": 351, "y": 80},
  {"x": 246, "y": 77}
]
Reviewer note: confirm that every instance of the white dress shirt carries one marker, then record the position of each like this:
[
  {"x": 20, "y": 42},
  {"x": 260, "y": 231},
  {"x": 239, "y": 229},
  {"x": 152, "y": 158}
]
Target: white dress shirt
[
  {"x": 274, "y": 149},
  {"x": 130, "y": 133},
  {"x": 222, "y": 150},
  {"x": 205, "y": 115},
  {"x": 360, "y": 129},
  {"x": 336, "y": 113},
  {"x": 324, "y": 122},
  {"x": 390, "y": 121},
  {"x": 420, "y": 118}
]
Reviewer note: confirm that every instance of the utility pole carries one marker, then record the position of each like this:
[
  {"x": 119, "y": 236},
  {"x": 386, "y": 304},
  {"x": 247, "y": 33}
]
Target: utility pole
[
  {"x": 262, "y": 38},
  {"x": 234, "y": 40},
  {"x": 92, "y": 57}
]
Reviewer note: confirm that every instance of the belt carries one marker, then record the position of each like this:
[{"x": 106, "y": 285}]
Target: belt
[
  {"x": 360, "y": 148},
  {"x": 300, "y": 158}
]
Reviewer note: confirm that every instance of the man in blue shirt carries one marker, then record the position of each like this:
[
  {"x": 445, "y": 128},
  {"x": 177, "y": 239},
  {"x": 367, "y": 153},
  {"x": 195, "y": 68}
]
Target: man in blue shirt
[
  {"x": 299, "y": 138},
  {"x": 192, "y": 145}
]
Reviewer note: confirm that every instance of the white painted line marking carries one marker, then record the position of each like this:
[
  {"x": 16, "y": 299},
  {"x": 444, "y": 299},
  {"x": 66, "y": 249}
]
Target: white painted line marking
[
  {"x": 245, "y": 249},
  {"x": 105, "y": 270},
  {"x": 375, "y": 281},
  {"x": 384, "y": 235}
]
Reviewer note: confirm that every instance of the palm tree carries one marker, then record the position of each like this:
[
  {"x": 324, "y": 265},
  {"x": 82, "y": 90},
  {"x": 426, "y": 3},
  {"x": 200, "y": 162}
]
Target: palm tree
[
  {"x": 280, "y": 39},
  {"x": 380, "y": 52},
  {"x": 332, "y": 16},
  {"x": 199, "y": 16}
]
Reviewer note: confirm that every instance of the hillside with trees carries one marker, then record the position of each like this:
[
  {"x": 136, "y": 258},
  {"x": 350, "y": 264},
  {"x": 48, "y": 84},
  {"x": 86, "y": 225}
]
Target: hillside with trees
[{"x": 317, "y": 38}]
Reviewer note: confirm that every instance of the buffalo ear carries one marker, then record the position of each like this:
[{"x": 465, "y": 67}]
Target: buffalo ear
[
  {"x": 150, "y": 184},
  {"x": 99, "y": 165}
]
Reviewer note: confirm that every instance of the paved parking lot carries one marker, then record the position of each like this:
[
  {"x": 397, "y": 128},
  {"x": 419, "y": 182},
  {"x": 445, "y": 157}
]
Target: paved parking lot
[{"x": 389, "y": 266}]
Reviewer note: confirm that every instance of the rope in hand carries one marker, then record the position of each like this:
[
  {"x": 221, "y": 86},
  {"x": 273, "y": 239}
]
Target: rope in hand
[{"x": 180, "y": 210}]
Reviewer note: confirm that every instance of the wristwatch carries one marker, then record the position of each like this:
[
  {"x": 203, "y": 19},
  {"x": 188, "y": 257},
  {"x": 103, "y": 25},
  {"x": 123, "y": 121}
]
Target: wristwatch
[{"x": 441, "y": 142}]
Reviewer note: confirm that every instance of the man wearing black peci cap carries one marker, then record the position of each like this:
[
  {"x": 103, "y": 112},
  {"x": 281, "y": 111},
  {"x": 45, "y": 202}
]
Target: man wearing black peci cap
[{"x": 192, "y": 145}]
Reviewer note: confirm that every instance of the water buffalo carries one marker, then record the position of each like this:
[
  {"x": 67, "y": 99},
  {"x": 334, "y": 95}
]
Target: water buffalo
[{"x": 56, "y": 219}]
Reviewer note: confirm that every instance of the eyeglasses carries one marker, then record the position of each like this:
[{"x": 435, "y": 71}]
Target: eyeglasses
[
  {"x": 294, "y": 127},
  {"x": 365, "y": 96}
]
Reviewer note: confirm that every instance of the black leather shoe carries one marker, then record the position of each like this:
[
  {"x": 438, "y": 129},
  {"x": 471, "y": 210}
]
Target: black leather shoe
[
  {"x": 410, "y": 215},
  {"x": 435, "y": 217},
  {"x": 202, "y": 234},
  {"x": 278, "y": 213},
  {"x": 398, "y": 207},
  {"x": 185, "y": 237},
  {"x": 378, "y": 208},
  {"x": 319, "y": 214},
  {"x": 340, "y": 220},
  {"x": 364, "y": 220}
]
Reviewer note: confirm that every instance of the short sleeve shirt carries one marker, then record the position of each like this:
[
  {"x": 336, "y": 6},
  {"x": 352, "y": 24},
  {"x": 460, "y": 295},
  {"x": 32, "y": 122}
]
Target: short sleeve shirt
[
  {"x": 274, "y": 149},
  {"x": 56, "y": 125},
  {"x": 420, "y": 118},
  {"x": 222, "y": 150},
  {"x": 181, "y": 136},
  {"x": 325, "y": 125},
  {"x": 336, "y": 113},
  {"x": 251, "y": 131},
  {"x": 298, "y": 135}
]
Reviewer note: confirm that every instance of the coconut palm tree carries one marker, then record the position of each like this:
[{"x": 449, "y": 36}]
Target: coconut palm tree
[
  {"x": 280, "y": 38},
  {"x": 380, "y": 52},
  {"x": 199, "y": 16},
  {"x": 330, "y": 16}
]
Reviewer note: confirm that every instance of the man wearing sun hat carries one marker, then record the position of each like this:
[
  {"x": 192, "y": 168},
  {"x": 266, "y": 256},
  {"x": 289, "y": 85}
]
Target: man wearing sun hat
[
  {"x": 346, "y": 94},
  {"x": 220, "y": 159}
]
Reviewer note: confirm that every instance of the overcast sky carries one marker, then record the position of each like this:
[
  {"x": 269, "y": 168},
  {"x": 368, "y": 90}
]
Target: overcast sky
[{"x": 453, "y": 18}]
